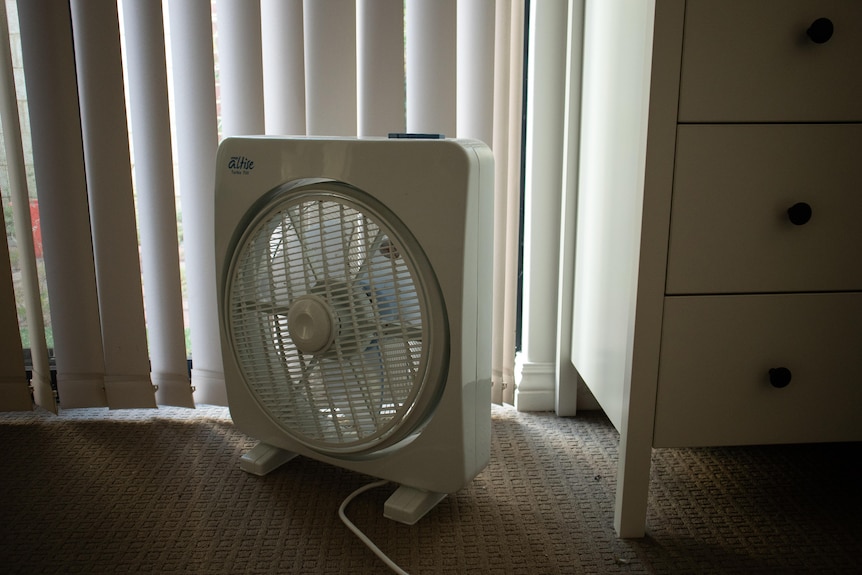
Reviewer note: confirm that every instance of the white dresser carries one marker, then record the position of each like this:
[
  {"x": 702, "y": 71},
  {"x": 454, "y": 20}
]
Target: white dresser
[{"x": 718, "y": 270}]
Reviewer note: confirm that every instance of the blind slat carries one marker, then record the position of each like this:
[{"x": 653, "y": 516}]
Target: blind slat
[
  {"x": 154, "y": 185},
  {"x": 330, "y": 67},
  {"x": 18, "y": 394},
  {"x": 14, "y": 392},
  {"x": 96, "y": 34},
  {"x": 475, "y": 70},
  {"x": 380, "y": 67},
  {"x": 508, "y": 75},
  {"x": 49, "y": 66},
  {"x": 283, "y": 66},
  {"x": 240, "y": 67},
  {"x": 197, "y": 142},
  {"x": 431, "y": 66},
  {"x": 510, "y": 194}
]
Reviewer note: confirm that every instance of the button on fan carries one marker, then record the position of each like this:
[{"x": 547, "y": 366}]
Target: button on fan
[{"x": 310, "y": 322}]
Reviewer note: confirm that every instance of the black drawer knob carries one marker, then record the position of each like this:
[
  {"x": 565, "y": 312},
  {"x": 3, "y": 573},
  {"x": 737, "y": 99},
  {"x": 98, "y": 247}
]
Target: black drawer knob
[
  {"x": 799, "y": 213},
  {"x": 779, "y": 377},
  {"x": 821, "y": 30}
]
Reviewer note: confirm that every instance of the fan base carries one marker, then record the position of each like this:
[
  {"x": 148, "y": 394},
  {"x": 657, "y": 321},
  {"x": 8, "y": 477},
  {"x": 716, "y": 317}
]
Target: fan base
[
  {"x": 264, "y": 458},
  {"x": 408, "y": 504}
]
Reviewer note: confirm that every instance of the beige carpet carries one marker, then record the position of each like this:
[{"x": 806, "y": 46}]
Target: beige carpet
[{"x": 160, "y": 491}]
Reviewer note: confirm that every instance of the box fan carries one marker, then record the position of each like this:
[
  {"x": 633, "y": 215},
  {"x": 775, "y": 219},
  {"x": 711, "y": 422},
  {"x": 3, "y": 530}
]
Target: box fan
[{"x": 354, "y": 302}]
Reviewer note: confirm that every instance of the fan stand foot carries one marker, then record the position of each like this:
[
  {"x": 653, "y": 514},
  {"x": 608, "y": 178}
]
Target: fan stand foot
[
  {"x": 408, "y": 504},
  {"x": 264, "y": 458}
]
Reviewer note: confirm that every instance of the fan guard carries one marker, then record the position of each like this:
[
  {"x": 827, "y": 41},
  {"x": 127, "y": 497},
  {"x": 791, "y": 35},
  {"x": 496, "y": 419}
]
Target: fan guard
[{"x": 335, "y": 318}]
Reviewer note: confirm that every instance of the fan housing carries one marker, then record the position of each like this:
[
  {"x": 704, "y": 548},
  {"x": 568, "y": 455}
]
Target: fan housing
[{"x": 354, "y": 306}]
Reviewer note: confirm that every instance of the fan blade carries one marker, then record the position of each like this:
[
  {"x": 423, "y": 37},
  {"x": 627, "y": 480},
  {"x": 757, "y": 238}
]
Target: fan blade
[
  {"x": 266, "y": 307},
  {"x": 299, "y": 250},
  {"x": 406, "y": 332},
  {"x": 389, "y": 283}
]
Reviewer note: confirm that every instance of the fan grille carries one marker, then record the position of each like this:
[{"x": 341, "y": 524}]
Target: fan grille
[{"x": 328, "y": 319}]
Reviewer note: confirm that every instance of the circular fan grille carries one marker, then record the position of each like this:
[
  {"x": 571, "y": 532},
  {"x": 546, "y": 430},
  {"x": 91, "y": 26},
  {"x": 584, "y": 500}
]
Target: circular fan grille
[{"x": 330, "y": 307}]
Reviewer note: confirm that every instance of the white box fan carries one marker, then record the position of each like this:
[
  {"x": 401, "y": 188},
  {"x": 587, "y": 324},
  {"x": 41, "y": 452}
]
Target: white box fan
[{"x": 355, "y": 306}]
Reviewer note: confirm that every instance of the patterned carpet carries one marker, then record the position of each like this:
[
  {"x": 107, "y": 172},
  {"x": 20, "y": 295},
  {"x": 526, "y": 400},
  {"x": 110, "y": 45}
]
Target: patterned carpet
[{"x": 136, "y": 491}]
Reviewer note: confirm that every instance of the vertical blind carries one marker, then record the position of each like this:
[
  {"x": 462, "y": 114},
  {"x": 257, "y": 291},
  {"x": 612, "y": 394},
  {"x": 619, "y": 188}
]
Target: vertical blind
[
  {"x": 126, "y": 104},
  {"x": 14, "y": 395},
  {"x": 196, "y": 129},
  {"x": 55, "y": 126},
  {"x": 149, "y": 115}
]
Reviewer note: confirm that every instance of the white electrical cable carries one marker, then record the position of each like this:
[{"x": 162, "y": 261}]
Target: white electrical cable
[{"x": 362, "y": 537}]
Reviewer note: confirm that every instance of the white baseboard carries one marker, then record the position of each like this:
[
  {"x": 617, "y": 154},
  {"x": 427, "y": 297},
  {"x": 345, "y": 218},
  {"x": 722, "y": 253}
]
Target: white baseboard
[{"x": 535, "y": 388}]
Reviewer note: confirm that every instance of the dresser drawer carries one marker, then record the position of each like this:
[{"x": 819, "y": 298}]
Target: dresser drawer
[
  {"x": 752, "y": 61},
  {"x": 716, "y": 355},
  {"x": 730, "y": 229}
]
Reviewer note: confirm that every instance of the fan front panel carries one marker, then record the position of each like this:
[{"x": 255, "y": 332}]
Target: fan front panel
[{"x": 330, "y": 305}]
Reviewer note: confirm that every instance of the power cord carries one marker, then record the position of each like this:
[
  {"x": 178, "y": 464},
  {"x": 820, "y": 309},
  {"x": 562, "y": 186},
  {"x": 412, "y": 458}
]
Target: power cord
[{"x": 362, "y": 537}]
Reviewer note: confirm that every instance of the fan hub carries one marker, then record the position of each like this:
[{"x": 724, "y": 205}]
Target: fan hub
[
  {"x": 311, "y": 324},
  {"x": 353, "y": 317}
]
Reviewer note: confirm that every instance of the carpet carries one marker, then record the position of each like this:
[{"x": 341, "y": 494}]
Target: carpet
[{"x": 160, "y": 491}]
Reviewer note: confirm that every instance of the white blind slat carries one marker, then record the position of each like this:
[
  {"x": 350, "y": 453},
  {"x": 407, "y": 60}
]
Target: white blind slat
[
  {"x": 14, "y": 391},
  {"x": 475, "y": 70},
  {"x": 18, "y": 395},
  {"x": 240, "y": 64},
  {"x": 283, "y": 67},
  {"x": 431, "y": 50},
  {"x": 330, "y": 67},
  {"x": 197, "y": 142},
  {"x": 49, "y": 66},
  {"x": 98, "y": 60},
  {"x": 507, "y": 142},
  {"x": 157, "y": 217},
  {"x": 380, "y": 67}
]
